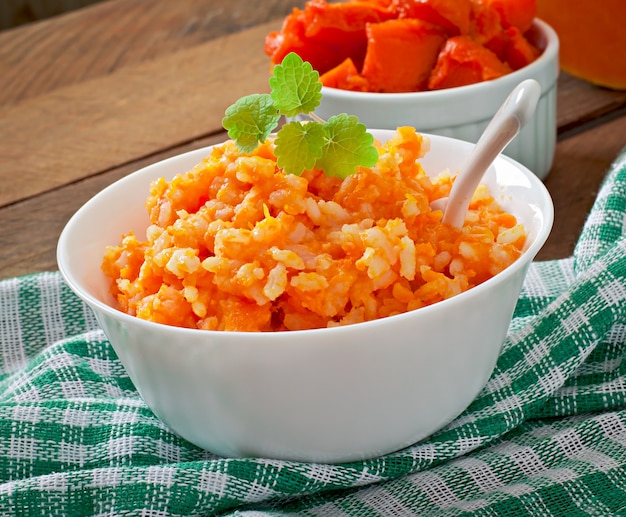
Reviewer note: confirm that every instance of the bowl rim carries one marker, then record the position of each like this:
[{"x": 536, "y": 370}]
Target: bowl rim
[
  {"x": 549, "y": 54},
  {"x": 83, "y": 293}
]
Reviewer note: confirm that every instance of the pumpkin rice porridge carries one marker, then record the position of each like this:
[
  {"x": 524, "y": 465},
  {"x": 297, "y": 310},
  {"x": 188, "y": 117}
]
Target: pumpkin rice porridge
[{"x": 236, "y": 244}]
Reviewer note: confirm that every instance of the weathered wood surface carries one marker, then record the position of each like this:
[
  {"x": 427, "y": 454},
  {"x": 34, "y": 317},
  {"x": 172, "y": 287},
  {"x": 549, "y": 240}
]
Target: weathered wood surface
[
  {"x": 98, "y": 40},
  {"x": 91, "y": 96}
]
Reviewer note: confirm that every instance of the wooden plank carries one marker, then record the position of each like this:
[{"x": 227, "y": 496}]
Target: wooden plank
[
  {"x": 100, "y": 39},
  {"x": 580, "y": 102},
  {"x": 84, "y": 129}
]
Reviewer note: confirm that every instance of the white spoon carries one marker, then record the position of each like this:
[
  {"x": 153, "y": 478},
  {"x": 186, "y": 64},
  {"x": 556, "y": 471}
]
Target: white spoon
[{"x": 516, "y": 110}]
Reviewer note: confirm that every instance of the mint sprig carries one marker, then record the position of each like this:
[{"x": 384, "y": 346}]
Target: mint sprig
[{"x": 336, "y": 146}]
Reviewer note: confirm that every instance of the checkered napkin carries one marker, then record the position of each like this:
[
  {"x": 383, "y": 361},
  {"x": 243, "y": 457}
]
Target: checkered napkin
[{"x": 545, "y": 437}]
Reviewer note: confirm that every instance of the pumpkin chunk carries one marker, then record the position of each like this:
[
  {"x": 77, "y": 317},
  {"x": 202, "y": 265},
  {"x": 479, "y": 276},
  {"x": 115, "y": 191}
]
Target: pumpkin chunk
[
  {"x": 463, "y": 61},
  {"x": 518, "y": 51},
  {"x": 401, "y": 54},
  {"x": 292, "y": 38},
  {"x": 484, "y": 23},
  {"x": 514, "y": 13},
  {"x": 452, "y": 15},
  {"x": 345, "y": 76}
]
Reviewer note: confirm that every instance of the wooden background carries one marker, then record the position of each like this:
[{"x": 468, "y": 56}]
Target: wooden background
[{"x": 18, "y": 12}]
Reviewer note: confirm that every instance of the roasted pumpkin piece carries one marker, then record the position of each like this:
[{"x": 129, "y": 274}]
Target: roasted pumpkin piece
[
  {"x": 291, "y": 35},
  {"x": 401, "y": 54},
  {"x": 485, "y": 23},
  {"x": 463, "y": 61},
  {"x": 499, "y": 45},
  {"x": 342, "y": 26},
  {"x": 514, "y": 13},
  {"x": 387, "y": 4},
  {"x": 345, "y": 76},
  {"x": 339, "y": 23},
  {"x": 292, "y": 38},
  {"x": 509, "y": 44},
  {"x": 452, "y": 15},
  {"x": 289, "y": 38},
  {"x": 518, "y": 52}
]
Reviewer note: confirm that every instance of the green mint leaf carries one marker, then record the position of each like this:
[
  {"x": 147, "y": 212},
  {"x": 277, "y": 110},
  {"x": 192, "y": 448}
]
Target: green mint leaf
[
  {"x": 250, "y": 120},
  {"x": 296, "y": 87},
  {"x": 348, "y": 145},
  {"x": 299, "y": 146},
  {"x": 337, "y": 146}
]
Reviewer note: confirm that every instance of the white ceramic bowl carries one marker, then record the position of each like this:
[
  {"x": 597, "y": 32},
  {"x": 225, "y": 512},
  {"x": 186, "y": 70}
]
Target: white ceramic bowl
[
  {"x": 464, "y": 112},
  {"x": 327, "y": 395}
]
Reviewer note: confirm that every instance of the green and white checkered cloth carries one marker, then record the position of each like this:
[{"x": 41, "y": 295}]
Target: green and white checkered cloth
[{"x": 545, "y": 437}]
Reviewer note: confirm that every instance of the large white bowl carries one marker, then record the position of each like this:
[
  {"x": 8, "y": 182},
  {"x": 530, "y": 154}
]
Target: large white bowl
[
  {"x": 324, "y": 395},
  {"x": 464, "y": 112}
]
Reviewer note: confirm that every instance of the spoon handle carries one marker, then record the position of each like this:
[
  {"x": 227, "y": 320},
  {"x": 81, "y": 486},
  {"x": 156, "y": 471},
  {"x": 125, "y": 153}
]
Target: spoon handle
[{"x": 516, "y": 110}]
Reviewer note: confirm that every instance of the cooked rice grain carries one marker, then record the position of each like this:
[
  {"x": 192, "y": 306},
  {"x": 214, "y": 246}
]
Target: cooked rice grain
[{"x": 236, "y": 244}]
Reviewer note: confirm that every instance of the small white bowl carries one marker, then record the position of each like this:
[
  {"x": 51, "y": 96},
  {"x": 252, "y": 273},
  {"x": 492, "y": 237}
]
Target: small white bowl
[
  {"x": 324, "y": 395},
  {"x": 464, "y": 112}
]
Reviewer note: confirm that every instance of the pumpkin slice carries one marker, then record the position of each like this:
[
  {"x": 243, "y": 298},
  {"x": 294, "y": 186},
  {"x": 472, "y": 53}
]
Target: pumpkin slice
[
  {"x": 292, "y": 38},
  {"x": 342, "y": 26},
  {"x": 345, "y": 76},
  {"x": 518, "y": 52},
  {"x": 325, "y": 34},
  {"x": 340, "y": 23},
  {"x": 485, "y": 23},
  {"x": 514, "y": 13},
  {"x": 463, "y": 61},
  {"x": 387, "y": 4},
  {"x": 452, "y": 15},
  {"x": 401, "y": 54}
]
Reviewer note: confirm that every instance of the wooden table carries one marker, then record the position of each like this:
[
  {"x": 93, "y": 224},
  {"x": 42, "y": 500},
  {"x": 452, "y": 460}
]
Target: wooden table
[{"x": 96, "y": 94}]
